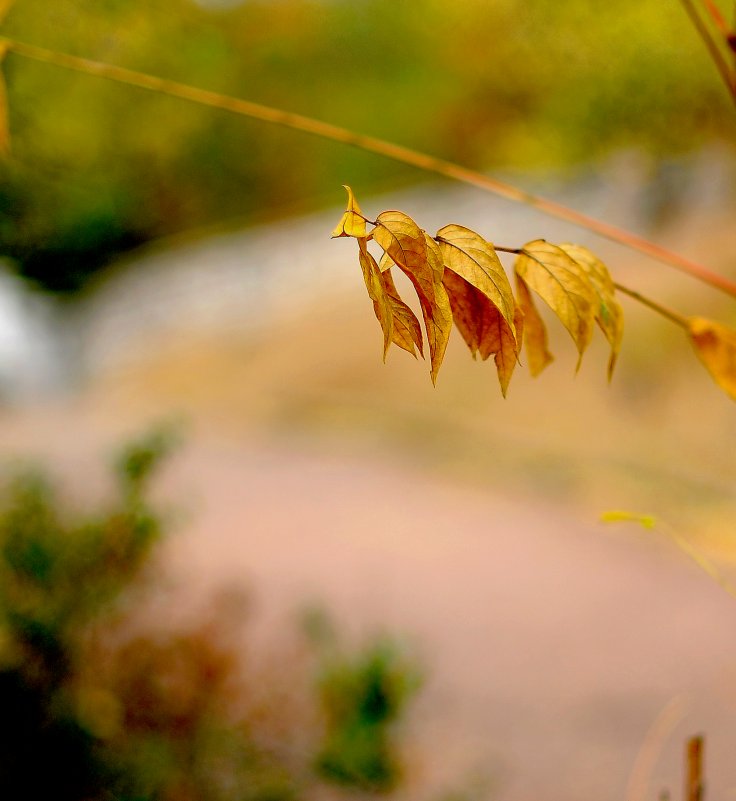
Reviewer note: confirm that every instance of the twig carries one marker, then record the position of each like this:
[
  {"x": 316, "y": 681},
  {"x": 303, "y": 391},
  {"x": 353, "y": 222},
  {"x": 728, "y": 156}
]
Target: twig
[
  {"x": 717, "y": 17},
  {"x": 694, "y": 778},
  {"x": 381, "y": 147},
  {"x": 724, "y": 70},
  {"x": 676, "y": 318},
  {"x": 700, "y": 559}
]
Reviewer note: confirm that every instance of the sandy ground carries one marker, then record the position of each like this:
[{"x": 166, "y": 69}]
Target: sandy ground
[{"x": 551, "y": 642}]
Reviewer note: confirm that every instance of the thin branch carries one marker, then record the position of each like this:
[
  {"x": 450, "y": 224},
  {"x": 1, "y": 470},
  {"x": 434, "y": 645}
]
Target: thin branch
[
  {"x": 717, "y": 17},
  {"x": 724, "y": 70},
  {"x": 694, "y": 778},
  {"x": 673, "y": 316},
  {"x": 507, "y": 250},
  {"x": 371, "y": 144}
]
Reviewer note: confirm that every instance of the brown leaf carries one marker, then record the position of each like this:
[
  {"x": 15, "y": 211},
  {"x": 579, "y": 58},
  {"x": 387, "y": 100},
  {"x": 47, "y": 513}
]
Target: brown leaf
[
  {"x": 483, "y": 327},
  {"x": 535, "y": 332},
  {"x": 4, "y": 125},
  {"x": 608, "y": 313},
  {"x": 416, "y": 254},
  {"x": 473, "y": 258},
  {"x": 352, "y": 222},
  {"x": 563, "y": 285},
  {"x": 715, "y": 345}
]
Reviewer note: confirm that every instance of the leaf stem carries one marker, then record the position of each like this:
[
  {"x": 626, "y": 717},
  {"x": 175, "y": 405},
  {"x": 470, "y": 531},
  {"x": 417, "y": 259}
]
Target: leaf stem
[
  {"x": 507, "y": 250},
  {"x": 724, "y": 70},
  {"x": 700, "y": 559},
  {"x": 371, "y": 144},
  {"x": 363, "y": 217},
  {"x": 717, "y": 17},
  {"x": 671, "y": 315}
]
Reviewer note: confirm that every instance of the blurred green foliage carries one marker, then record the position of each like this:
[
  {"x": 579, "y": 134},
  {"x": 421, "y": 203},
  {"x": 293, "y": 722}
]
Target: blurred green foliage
[
  {"x": 57, "y": 576},
  {"x": 363, "y": 695},
  {"x": 97, "y": 704},
  {"x": 99, "y": 168}
]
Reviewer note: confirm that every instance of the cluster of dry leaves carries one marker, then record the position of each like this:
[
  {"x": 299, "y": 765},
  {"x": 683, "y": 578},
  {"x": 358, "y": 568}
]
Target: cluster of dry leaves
[{"x": 458, "y": 277}]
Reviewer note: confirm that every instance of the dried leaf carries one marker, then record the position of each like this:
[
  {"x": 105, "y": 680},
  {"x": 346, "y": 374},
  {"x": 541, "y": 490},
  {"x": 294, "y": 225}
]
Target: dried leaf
[
  {"x": 4, "y": 125},
  {"x": 535, "y": 332},
  {"x": 483, "y": 327},
  {"x": 398, "y": 321},
  {"x": 407, "y": 331},
  {"x": 507, "y": 350},
  {"x": 473, "y": 258},
  {"x": 715, "y": 345},
  {"x": 563, "y": 285},
  {"x": 352, "y": 222},
  {"x": 374, "y": 285},
  {"x": 619, "y": 516},
  {"x": 409, "y": 247},
  {"x": 608, "y": 314},
  {"x": 474, "y": 315}
]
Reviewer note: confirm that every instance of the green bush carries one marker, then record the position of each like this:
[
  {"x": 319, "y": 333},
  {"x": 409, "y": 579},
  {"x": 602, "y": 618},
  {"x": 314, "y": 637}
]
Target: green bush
[{"x": 98, "y": 705}]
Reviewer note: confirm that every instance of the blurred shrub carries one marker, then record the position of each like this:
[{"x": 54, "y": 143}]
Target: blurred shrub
[
  {"x": 99, "y": 168},
  {"x": 57, "y": 577},
  {"x": 98, "y": 702},
  {"x": 363, "y": 695}
]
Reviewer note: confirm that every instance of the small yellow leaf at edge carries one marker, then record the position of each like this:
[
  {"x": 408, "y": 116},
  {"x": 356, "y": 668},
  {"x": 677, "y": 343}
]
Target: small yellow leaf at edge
[
  {"x": 616, "y": 516},
  {"x": 352, "y": 222}
]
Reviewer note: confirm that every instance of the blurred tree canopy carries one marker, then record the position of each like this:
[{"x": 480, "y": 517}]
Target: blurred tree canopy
[{"x": 99, "y": 168}]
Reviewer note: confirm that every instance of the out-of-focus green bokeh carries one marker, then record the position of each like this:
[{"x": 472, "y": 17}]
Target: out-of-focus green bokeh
[{"x": 98, "y": 167}]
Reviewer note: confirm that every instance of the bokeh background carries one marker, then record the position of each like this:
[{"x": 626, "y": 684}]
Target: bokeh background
[{"x": 166, "y": 262}]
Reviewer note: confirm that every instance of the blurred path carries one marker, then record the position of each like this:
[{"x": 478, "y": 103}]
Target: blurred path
[{"x": 551, "y": 643}]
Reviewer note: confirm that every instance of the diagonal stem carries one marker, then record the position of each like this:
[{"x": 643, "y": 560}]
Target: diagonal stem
[
  {"x": 671, "y": 315},
  {"x": 371, "y": 144},
  {"x": 717, "y": 17},
  {"x": 724, "y": 69}
]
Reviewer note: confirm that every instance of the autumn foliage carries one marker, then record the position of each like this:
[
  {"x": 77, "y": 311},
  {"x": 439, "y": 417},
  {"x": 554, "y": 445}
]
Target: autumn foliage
[{"x": 459, "y": 278}]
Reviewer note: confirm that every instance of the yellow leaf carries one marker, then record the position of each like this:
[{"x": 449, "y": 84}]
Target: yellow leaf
[
  {"x": 416, "y": 254},
  {"x": 386, "y": 263},
  {"x": 472, "y": 258},
  {"x": 715, "y": 345},
  {"x": 507, "y": 349},
  {"x": 535, "y": 332},
  {"x": 563, "y": 285},
  {"x": 4, "y": 125},
  {"x": 352, "y": 222},
  {"x": 609, "y": 315},
  {"x": 374, "y": 285},
  {"x": 398, "y": 321},
  {"x": 407, "y": 331},
  {"x": 618, "y": 516}
]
